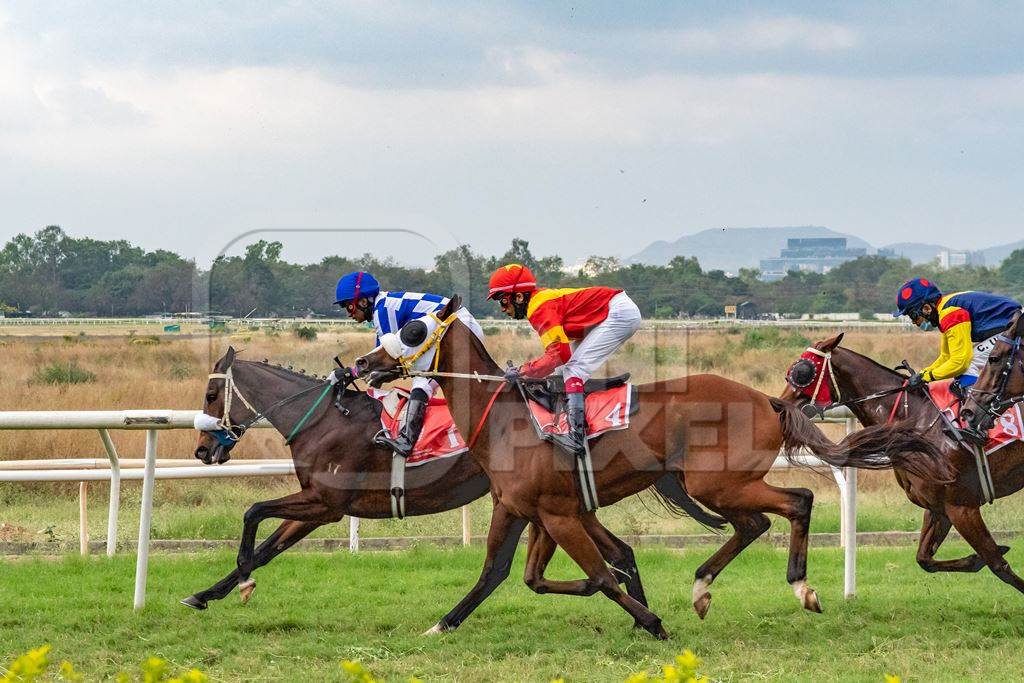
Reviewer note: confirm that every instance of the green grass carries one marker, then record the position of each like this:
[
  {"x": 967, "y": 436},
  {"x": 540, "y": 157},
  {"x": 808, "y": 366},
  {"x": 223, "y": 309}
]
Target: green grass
[
  {"x": 212, "y": 509},
  {"x": 312, "y": 610},
  {"x": 62, "y": 374}
]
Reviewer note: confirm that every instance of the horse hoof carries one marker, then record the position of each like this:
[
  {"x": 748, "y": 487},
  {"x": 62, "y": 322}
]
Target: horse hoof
[
  {"x": 659, "y": 632},
  {"x": 1003, "y": 549},
  {"x": 810, "y": 601},
  {"x": 702, "y": 604},
  {"x": 245, "y": 589},
  {"x": 434, "y": 630},
  {"x": 194, "y": 602}
]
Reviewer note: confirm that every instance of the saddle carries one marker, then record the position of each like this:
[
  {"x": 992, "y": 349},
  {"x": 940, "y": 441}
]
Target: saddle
[{"x": 550, "y": 391}]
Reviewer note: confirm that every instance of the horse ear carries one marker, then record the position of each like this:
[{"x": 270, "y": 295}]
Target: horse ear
[
  {"x": 454, "y": 304},
  {"x": 1018, "y": 326},
  {"x": 830, "y": 344},
  {"x": 229, "y": 357}
]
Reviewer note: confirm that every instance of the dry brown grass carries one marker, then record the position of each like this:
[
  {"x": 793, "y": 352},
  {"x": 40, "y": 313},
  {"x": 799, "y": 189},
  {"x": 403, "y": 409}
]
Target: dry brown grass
[{"x": 172, "y": 373}]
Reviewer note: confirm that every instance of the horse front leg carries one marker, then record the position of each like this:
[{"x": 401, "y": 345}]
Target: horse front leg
[
  {"x": 285, "y": 536},
  {"x": 616, "y": 552},
  {"x": 968, "y": 521},
  {"x": 934, "y": 529},
  {"x": 502, "y": 539},
  {"x": 304, "y": 506}
]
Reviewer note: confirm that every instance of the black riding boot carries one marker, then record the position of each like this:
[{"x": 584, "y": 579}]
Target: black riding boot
[
  {"x": 577, "y": 417},
  {"x": 406, "y": 440}
]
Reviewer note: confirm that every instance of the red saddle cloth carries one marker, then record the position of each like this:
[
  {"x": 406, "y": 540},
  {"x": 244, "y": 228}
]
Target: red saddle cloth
[
  {"x": 439, "y": 438},
  {"x": 607, "y": 410},
  {"x": 1008, "y": 427}
]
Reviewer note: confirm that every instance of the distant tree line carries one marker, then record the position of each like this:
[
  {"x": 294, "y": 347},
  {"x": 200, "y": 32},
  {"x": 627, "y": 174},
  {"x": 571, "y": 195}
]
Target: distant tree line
[{"x": 50, "y": 272}]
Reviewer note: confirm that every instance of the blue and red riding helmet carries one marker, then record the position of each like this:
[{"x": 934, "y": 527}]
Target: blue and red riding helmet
[
  {"x": 356, "y": 285},
  {"x": 915, "y": 293}
]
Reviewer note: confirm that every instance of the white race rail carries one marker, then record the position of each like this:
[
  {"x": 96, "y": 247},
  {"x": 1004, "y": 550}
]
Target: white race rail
[{"x": 150, "y": 469}]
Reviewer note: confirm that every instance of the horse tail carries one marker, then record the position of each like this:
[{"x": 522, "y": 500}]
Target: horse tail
[
  {"x": 669, "y": 490},
  {"x": 879, "y": 447}
]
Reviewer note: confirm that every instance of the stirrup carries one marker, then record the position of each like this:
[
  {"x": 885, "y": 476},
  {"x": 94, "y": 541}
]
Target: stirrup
[{"x": 382, "y": 438}]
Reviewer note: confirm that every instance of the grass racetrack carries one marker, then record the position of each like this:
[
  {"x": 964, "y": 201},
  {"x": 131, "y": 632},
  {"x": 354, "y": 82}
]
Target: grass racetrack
[{"x": 311, "y": 610}]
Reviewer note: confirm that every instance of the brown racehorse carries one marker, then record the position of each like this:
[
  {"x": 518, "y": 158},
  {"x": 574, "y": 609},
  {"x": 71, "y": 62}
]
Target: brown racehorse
[
  {"x": 339, "y": 470},
  {"x": 956, "y": 503},
  {"x": 1001, "y": 383},
  {"x": 717, "y": 436}
]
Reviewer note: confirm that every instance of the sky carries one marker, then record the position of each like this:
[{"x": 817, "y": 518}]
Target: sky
[{"x": 404, "y": 128}]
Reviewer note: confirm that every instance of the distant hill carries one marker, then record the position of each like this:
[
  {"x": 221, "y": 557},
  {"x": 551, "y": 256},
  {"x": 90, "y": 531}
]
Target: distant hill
[
  {"x": 996, "y": 255},
  {"x": 730, "y": 249}
]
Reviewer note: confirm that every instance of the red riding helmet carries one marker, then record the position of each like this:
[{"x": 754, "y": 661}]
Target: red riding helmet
[{"x": 510, "y": 278}]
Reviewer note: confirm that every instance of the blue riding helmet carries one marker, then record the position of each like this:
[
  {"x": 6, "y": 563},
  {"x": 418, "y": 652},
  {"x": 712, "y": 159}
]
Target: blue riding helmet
[
  {"x": 913, "y": 294},
  {"x": 356, "y": 285}
]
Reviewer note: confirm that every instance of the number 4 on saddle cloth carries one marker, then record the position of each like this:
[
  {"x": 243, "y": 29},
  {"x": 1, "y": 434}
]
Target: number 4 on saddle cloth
[
  {"x": 1008, "y": 428},
  {"x": 606, "y": 410}
]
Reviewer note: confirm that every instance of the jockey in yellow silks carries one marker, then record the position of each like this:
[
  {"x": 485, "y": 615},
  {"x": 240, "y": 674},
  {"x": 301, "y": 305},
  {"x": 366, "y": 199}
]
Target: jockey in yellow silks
[{"x": 968, "y": 322}]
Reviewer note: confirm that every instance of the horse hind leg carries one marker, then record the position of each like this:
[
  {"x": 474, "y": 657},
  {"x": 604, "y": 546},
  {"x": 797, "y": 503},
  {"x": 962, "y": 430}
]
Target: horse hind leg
[
  {"x": 795, "y": 505},
  {"x": 747, "y": 527}
]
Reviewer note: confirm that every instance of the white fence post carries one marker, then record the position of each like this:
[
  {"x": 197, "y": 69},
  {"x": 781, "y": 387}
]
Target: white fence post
[
  {"x": 467, "y": 527},
  {"x": 850, "y": 523},
  {"x": 849, "y": 511},
  {"x": 145, "y": 520},
  {"x": 83, "y": 518},
  {"x": 353, "y": 534},
  {"x": 115, "y": 492}
]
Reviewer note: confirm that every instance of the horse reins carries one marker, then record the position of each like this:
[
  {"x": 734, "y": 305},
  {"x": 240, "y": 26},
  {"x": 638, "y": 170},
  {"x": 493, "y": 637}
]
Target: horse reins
[{"x": 234, "y": 432}]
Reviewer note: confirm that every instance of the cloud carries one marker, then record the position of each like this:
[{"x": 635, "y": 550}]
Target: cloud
[{"x": 765, "y": 35}]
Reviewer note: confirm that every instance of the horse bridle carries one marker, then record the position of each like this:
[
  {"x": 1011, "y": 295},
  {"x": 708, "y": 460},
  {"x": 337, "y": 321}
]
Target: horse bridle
[
  {"x": 228, "y": 434},
  {"x": 820, "y": 376},
  {"x": 998, "y": 403}
]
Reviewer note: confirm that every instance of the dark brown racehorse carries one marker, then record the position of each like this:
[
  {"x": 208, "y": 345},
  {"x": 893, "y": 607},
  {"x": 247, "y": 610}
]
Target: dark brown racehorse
[
  {"x": 716, "y": 437},
  {"x": 955, "y": 503},
  {"x": 339, "y": 470},
  {"x": 1001, "y": 383}
]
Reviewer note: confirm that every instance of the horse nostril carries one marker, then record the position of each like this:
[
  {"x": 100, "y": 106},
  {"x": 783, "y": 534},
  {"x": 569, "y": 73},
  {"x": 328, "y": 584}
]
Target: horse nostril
[{"x": 362, "y": 363}]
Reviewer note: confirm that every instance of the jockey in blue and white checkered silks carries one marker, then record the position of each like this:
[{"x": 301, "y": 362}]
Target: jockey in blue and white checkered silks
[{"x": 360, "y": 295}]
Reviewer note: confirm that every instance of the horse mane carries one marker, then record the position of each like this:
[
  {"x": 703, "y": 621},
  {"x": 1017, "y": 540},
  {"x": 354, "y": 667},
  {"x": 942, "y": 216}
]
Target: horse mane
[
  {"x": 290, "y": 374},
  {"x": 874, "y": 362}
]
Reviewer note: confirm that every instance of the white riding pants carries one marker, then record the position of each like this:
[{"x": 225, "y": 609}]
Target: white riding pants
[
  {"x": 982, "y": 350},
  {"x": 591, "y": 352}
]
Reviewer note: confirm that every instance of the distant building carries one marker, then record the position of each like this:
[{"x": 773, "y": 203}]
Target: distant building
[
  {"x": 951, "y": 258},
  {"x": 809, "y": 254}
]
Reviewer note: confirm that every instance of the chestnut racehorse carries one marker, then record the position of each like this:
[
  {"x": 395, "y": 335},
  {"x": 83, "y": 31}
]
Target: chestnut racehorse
[
  {"x": 717, "y": 437},
  {"x": 339, "y": 470},
  {"x": 946, "y": 504}
]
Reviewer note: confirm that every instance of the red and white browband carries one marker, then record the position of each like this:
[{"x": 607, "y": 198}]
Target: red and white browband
[{"x": 819, "y": 389}]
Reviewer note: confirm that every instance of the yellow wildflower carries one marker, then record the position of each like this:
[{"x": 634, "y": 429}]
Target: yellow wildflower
[{"x": 28, "y": 667}]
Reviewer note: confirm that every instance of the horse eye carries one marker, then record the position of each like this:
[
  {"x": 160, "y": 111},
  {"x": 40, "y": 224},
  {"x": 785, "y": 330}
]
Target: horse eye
[
  {"x": 992, "y": 360},
  {"x": 210, "y": 398}
]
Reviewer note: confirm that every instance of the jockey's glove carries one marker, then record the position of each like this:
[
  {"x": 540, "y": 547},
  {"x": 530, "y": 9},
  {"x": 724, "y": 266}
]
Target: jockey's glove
[
  {"x": 512, "y": 375},
  {"x": 342, "y": 375},
  {"x": 916, "y": 381}
]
